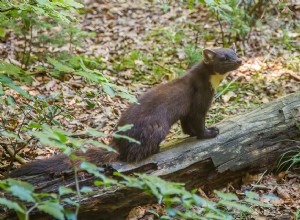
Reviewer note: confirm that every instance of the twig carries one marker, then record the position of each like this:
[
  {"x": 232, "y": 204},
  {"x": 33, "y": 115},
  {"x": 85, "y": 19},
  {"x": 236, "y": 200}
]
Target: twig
[
  {"x": 22, "y": 123},
  {"x": 24, "y": 51},
  {"x": 7, "y": 9},
  {"x": 258, "y": 4},
  {"x": 221, "y": 93},
  {"x": 70, "y": 42},
  {"x": 220, "y": 24},
  {"x": 169, "y": 70},
  {"x": 77, "y": 189},
  {"x": 12, "y": 153},
  {"x": 30, "y": 47},
  {"x": 294, "y": 75}
]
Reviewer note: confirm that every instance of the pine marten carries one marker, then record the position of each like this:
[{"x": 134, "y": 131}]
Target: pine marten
[{"x": 186, "y": 99}]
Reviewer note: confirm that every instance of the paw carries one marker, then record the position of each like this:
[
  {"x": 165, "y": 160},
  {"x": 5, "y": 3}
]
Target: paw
[
  {"x": 209, "y": 133},
  {"x": 214, "y": 129}
]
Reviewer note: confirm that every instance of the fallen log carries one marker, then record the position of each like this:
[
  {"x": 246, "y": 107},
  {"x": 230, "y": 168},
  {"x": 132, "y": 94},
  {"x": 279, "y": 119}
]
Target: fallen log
[{"x": 250, "y": 142}]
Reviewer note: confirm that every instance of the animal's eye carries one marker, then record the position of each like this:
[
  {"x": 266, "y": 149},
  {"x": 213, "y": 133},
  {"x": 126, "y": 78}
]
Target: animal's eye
[{"x": 224, "y": 58}]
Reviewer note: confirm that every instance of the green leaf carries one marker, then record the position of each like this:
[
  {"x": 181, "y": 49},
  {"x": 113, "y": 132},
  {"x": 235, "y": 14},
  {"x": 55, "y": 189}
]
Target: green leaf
[
  {"x": 43, "y": 2},
  {"x": 125, "y": 127},
  {"x": 10, "y": 101},
  {"x": 252, "y": 195},
  {"x": 73, "y": 3},
  {"x": 86, "y": 189},
  {"x": 2, "y": 33},
  {"x": 91, "y": 168},
  {"x": 52, "y": 208},
  {"x": 9, "y": 83},
  {"x": 226, "y": 7},
  {"x": 70, "y": 215},
  {"x": 9, "y": 68},
  {"x": 99, "y": 144},
  {"x": 65, "y": 190},
  {"x": 22, "y": 193},
  {"x": 96, "y": 133},
  {"x": 59, "y": 66},
  {"x": 258, "y": 203},
  {"x": 12, "y": 205},
  {"x": 238, "y": 206},
  {"x": 63, "y": 138},
  {"x": 70, "y": 202},
  {"x": 126, "y": 137},
  {"x": 127, "y": 96},
  {"x": 227, "y": 196},
  {"x": 11, "y": 135},
  {"x": 34, "y": 125},
  {"x": 108, "y": 90},
  {"x": 1, "y": 90},
  {"x": 153, "y": 212}
]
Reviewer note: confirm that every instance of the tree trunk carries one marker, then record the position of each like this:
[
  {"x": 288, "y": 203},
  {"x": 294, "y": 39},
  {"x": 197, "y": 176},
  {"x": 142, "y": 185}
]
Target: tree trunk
[{"x": 250, "y": 142}]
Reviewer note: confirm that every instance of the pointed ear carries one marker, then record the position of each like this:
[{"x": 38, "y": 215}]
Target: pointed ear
[
  {"x": 208, "y": 56},
  {"x": 233, "y": 47}
]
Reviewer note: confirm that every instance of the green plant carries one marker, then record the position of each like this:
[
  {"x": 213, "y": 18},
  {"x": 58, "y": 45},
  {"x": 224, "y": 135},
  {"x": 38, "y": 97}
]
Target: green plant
[
  {"x": 24, "y": 194},
  {"x": 172, "y": 194},
  {"x": 28, "y": 14},
  {"x": 88, "y": 69},
  {"x": 193, "y": 54},
  {"x": 297, "y": 215},
  {"x": 289, "y": 159}
]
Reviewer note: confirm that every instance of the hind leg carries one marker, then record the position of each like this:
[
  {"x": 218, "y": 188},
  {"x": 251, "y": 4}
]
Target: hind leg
[{"x": 150, "y": 138}]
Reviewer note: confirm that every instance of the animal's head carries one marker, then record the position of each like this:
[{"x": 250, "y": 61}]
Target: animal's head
[{"x": 221, "y": 60}]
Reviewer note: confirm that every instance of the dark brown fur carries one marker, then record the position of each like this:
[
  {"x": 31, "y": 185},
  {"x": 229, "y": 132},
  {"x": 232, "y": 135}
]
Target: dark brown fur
[{"x": 186, "y": 99}]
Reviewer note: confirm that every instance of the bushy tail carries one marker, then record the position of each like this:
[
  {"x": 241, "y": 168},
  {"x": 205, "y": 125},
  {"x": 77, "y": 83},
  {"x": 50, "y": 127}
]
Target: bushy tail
[{"x": 62, "y": 162}]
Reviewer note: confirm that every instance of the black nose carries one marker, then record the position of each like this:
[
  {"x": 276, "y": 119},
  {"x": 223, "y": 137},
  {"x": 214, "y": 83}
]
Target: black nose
[{"x": 239, "y": 61}]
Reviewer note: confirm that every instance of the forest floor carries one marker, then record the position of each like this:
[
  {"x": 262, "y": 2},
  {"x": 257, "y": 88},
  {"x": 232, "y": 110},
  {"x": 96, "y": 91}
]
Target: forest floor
[{"x": 139, "y": 45}]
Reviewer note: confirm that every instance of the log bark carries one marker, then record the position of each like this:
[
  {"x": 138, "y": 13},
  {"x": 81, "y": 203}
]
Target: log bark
[{"x": 250, "y": 142}]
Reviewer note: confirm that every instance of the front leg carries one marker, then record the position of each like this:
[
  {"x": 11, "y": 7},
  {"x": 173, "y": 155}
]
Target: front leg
[
  {"x": 201, "y": 132},
  {"x": 186, "y": 126}
]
